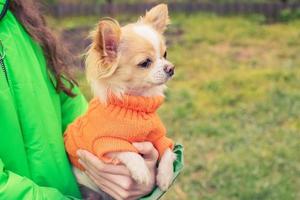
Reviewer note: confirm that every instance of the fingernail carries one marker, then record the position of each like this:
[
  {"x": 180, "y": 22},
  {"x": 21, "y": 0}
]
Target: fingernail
[
  {"x": 137, "y": 145},
  {"x": 79, "y": 153}
]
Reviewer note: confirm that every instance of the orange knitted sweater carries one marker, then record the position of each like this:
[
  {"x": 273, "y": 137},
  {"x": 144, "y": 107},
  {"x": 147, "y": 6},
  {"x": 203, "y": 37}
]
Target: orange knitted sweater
[{"x": 113, "y": 127}]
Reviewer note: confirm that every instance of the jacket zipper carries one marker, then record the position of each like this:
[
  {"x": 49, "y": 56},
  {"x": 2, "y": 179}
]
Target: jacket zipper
[{"x": 2, "y": 65}]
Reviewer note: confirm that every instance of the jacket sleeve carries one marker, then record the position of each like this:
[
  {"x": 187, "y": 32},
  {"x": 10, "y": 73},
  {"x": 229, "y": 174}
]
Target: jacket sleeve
[
  {"x": 72, "y": 107},
  {"x": 15, "y": 187}
]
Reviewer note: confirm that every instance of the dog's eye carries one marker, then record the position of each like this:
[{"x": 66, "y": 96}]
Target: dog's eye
[
  {"x": 165, "y": 54},
  {"x": 146, "y": 63}
]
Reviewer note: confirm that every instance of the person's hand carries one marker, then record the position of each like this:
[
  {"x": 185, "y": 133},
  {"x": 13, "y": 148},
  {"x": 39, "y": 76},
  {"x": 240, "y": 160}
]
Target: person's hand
[{"x": 115, "y": 180}]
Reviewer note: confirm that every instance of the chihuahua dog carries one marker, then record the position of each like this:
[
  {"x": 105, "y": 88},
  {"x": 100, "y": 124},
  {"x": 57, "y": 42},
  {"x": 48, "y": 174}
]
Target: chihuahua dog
[{"x": 127, "y": 69}]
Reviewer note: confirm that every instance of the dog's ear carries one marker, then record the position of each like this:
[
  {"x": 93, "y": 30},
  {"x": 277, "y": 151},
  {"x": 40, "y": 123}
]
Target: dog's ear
[
  {"x": 107, "y": 40},
  {"x": 157, "y": 17}
]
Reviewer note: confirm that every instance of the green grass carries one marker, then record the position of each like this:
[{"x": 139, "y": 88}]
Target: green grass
[{"x": 235, "y": 105}]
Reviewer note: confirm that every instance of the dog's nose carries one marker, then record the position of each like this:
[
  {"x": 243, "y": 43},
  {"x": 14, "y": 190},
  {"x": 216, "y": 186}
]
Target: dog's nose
[{"x": 169, "y": 69}]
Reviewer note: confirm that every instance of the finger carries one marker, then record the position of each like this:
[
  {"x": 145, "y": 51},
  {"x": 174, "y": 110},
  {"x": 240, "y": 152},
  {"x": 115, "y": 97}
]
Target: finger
[
  {"x": 147, "y": 149},
  {"x": 104, "y": 188},
  {"x": 124, "y": 194},
  {"x": 110, "y": 192},
  {"x": 140, "y": 192},
  {"x": 98, "y": 166},
  {"x": 125, "y": 182},
  {"x": 88, "y": 167}
]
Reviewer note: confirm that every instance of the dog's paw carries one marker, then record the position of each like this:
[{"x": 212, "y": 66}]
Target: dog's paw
[
  {"x": 136, "y": 166},
  {"x": 165, "y": 170},
  {"x": 141, "y": 175},
  {"x": 164, "y": 178}
]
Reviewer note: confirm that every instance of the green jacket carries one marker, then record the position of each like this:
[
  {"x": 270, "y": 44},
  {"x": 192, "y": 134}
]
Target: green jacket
[{"x": 33, "y": 117}]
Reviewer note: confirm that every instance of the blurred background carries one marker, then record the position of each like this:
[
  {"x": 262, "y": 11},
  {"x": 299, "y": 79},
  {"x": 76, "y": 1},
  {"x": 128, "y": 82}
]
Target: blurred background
[{"x": 234, "y": 102}]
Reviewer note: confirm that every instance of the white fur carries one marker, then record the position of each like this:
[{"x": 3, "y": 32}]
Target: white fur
[
  {"x": 135, "y": 164},
  {"x": 154, "y": 91},
  {"x": 149, "y": 34},
  {"x": 165, "y": 170},
  {"x": 101, "y": 88},
  {"x": 157, "y": 73}
]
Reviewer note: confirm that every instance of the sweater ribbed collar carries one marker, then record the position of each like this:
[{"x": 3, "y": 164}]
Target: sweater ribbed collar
[{"x": 137, "y": 103}]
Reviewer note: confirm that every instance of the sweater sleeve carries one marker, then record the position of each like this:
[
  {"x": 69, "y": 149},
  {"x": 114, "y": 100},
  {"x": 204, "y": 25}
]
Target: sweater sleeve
[
  {"x": 159, "y": 139},
  {"x": 14, "y": 186},
  {"x": 162, "y": 143}
]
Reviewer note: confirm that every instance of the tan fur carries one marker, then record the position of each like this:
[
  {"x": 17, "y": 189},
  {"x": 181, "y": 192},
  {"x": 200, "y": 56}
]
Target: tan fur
[
  {"x": 113, "y": 58},
  {"x": 113, "y": 67},
  {"x": 157, "y": 17}
]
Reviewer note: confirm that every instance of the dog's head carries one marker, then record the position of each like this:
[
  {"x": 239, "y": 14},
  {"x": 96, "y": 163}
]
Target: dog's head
[{"x": 131, "y": 59}]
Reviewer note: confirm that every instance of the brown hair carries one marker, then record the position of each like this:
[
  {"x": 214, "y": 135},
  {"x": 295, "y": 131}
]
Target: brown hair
[{"x": 58, "y": 58}]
